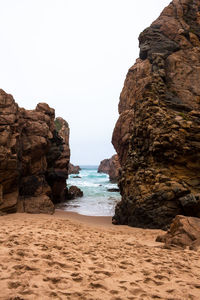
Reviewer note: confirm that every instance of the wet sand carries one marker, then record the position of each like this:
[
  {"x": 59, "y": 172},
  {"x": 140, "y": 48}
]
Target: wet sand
[{"x": 69, "y": 256}]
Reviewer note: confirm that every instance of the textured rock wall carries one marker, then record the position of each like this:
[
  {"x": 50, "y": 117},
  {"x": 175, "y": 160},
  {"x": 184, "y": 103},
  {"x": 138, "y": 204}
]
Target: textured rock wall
[
  {"x": 157, "y": 134},
  {"x": 33, "y": 158}
]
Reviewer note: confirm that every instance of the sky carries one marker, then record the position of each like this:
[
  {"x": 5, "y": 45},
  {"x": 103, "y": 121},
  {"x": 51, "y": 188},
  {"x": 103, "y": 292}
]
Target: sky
[{"x": 73, "y": 55}]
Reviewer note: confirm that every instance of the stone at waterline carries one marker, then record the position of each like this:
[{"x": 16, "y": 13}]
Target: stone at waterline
[
  {"x": 74, "y": 192},
  {"x": 113, "y": 190}
]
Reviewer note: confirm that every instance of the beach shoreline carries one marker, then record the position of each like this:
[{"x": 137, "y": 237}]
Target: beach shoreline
[
  {"x": 71, "y": 256},
  {"x": 89, "y": 220}
]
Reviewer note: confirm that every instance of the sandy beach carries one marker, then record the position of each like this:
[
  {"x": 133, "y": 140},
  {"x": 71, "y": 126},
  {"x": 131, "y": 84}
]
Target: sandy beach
[{"x": 69, "y": 256}]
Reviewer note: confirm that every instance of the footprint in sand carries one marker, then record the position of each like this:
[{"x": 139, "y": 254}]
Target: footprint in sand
[
  {"x": 97, "y": 285},
  {"x": 114, "y": 292},
  {"x": 21, "y": 252},
  {"x": 104, "y": 272},
  {"x": 160, "y": 277},
  {"x": 76, "y": 277},
  {"x": 136, "y": 291},
  {"x": 16, "y": 298},
  {"x": 14, "y": 284},
  {"x": 123, "y": 287}
]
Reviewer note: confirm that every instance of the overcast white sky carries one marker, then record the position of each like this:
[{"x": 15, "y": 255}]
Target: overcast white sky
[{"x": 74, "y": 55}]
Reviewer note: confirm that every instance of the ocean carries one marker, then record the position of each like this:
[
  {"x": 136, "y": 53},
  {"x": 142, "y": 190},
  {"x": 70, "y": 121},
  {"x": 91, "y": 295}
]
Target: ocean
[{"x": 96, "y": 200}]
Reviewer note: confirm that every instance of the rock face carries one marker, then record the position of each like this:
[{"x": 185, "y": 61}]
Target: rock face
[
  {"x": 73, "y": 169},
  {"x": 157, "y": 134},
  {"x": 183, "y": 232},
  {"x": 33, "y": 158},
  {"x": 58, "y": 160},
  {"x": 111, "y": 167}
]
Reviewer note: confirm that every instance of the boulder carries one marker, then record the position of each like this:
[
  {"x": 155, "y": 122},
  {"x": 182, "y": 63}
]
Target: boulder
[
  {"x": 184, "y": 232},
  {"x": 74, "y": 192},
  {"x": 111, "y": 167},
  {"x": 33, "y": 158},
  {"x": 157, "y": 134}
]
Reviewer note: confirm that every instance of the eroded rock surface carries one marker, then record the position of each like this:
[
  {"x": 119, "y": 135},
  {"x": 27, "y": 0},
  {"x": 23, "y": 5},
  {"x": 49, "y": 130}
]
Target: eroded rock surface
[
  {"x": 184, "y": 232},
  {"x": 110, "y": 166},
  {"x": 33, "y": 158},
  {"x": 157, "y": 134}
]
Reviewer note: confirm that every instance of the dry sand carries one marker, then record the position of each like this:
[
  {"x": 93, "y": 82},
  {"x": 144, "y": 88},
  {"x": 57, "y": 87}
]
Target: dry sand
[{"x": 68, "y": 256}]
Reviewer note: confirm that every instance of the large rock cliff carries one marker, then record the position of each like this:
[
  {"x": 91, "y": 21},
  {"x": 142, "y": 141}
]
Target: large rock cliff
[
  {"x": 33, "y": 158},
  {"x": 157, "y": 135}
]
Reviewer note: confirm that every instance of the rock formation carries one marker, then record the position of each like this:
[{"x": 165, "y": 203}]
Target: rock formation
[
  {"x": 57, "y": 171},
  {"x": 74, "y": 192},
  {"x": 73, "y": 169},
  {"x": 110, "y": 166},
  {"x": 183, "y": 232},
  {"x": 104, "y": 166},
  {"x": 157, "y": 135},
  {"x": 33, "y": 158}
]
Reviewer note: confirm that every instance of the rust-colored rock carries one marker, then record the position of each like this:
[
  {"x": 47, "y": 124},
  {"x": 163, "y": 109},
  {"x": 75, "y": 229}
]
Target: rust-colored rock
[
  {"x": 184, "y": 232},
  {"x": 157, "y": 134},
  {"x": 73, "y": 169},
  {"x": 33, "y": 158},
  {"x": 111, "y": 167}
]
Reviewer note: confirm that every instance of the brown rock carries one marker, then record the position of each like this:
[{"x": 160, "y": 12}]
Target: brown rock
[
  {"x": 111, "y": 167},
  {"x": 157, "y": 133},
  {"x": 104, "y": 166},
  {"x": 33, "y": 158},
  {"x": 184, "y": 232},
  {"x": 74, "y": 192},
  {"x": 73, "y": 169}
]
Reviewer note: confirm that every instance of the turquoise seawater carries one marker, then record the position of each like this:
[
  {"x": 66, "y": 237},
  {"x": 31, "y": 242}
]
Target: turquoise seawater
[{"x": 96, "y": 200}]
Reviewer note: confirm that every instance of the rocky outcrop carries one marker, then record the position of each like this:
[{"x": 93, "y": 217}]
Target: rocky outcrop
[
  {"x": 74, "y": 192},
  {"x": 157, "y": 134},
  {"x": 104, "y": 166},
  {"x": 33, "y": 158},
  {"x": 183, "y": 232},
  {"x": 111, "y": 167},
  {"x": 73, "y": 169}
]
